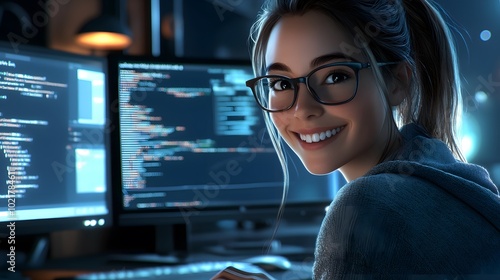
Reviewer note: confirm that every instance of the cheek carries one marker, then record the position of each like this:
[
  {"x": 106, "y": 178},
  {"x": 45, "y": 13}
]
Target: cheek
[
  {"x": 370, "y": 110},
  {"x": 278, "y": 121},
  {"x": 367, "y": 115},
  {"x": 371, "y": 103}
]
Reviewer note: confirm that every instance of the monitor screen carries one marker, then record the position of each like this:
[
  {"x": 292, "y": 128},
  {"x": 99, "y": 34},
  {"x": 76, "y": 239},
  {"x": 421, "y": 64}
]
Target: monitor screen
[
  {"x": 193, "y": 146},
  {"x": 53, "y": 139}
]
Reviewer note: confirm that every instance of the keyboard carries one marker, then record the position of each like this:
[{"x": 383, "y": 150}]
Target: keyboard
[{"x": 191, "y": 271}]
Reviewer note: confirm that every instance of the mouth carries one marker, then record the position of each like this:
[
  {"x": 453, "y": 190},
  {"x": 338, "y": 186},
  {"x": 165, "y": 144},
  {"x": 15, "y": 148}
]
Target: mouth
[{"x": 321, "y": 136}]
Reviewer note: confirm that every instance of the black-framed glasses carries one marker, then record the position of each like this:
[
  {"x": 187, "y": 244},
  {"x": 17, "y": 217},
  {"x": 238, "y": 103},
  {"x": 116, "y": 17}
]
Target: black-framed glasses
[{"x": 329, "y": 84}]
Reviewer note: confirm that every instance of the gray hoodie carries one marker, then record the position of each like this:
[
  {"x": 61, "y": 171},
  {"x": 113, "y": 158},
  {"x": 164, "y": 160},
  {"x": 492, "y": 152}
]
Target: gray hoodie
[{"x": 422, "y": 215}]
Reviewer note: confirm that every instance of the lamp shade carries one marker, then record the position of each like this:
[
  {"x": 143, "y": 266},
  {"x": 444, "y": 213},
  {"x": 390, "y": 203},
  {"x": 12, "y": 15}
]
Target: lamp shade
[{"x": 104, "y": 32}]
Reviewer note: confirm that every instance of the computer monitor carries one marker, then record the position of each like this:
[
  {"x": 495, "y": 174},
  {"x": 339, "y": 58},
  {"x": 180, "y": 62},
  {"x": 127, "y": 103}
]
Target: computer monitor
[
  {"x": 191, "y": 147},
  {"x": 53, "y": 141}
]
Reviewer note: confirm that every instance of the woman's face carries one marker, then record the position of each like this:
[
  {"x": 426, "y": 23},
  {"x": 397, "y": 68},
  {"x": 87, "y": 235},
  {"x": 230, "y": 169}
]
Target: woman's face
[{"x": 299, "y": 44}]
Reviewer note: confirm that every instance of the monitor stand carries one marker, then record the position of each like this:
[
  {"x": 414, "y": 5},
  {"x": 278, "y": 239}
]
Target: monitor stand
[
  {"x": 30, "y": 251},
  {"x": 254, "y": 239},
  {"x": 245, "y": 248},
  {"x": 39, "y": 253},
  {"x": 171, "y": 247}
]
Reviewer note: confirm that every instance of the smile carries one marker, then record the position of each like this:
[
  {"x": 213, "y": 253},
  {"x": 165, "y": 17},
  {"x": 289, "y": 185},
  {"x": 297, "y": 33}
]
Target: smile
[{"x": 317, "y": 137}]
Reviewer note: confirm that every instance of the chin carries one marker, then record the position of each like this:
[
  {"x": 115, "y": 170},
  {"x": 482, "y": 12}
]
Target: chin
[{"x": 318, "y": 170}]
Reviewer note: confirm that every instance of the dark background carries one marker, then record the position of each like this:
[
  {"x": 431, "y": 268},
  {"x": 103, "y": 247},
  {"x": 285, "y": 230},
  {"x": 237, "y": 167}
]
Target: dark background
[{"x": 219, "y": 29}]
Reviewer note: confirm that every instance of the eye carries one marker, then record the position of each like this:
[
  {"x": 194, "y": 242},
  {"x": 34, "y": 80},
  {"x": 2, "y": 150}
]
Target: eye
[
  {"x": 279, "y": 85},
  {"x": 335, "y": 78}
]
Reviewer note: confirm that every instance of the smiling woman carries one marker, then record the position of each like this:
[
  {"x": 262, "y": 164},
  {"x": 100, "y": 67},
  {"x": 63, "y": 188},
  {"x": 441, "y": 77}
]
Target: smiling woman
[
  {"x": 362, "y": 108},
  {"x": 330, "y": 73}
]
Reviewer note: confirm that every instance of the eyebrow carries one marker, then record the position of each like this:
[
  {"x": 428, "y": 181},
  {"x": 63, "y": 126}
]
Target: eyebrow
[
  {"x": 314, "y": 63},
  {"x": 329, "y": 57}
]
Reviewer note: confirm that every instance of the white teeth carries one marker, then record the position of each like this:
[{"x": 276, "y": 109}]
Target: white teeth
[
  {"x": 316, "y": 137},
  {"x": 308, "y": 138},
  {"x": 322, "y": 136}
]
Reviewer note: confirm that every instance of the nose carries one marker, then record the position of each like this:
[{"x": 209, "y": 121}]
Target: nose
[{"x": 306, "y": 106}]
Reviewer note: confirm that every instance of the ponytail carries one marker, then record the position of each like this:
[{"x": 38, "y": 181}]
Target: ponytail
[{"x": 437, "y": 101}]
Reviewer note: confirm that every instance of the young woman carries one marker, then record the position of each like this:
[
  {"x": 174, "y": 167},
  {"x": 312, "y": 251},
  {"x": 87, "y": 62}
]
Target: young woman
[{"x": 371, "y": 88}]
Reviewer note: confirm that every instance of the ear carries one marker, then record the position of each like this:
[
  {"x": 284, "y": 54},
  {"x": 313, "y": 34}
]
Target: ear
[{"x": 400, "y": 85}]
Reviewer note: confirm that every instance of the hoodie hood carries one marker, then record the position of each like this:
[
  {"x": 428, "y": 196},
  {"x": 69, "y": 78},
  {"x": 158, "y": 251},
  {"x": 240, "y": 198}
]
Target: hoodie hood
[{"x": 431, "y": 160}]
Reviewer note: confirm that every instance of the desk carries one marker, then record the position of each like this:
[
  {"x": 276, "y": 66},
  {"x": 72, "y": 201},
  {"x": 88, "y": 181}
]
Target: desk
[
  {"x": 299, "y": 270},
  {"x": 205, "y": 247}
]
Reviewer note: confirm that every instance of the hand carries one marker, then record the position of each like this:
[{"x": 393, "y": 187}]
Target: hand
[{"x": 232, "y": 273}]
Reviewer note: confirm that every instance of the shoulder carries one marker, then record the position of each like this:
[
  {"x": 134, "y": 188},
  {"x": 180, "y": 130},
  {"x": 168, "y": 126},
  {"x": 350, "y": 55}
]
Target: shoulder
[
  {"x": 375, "y": 202},
  {"x": 381, "y": 191},
  {"x": 399, "y": 199},
  {"x": 379, "y": 209},
  {"x": 364, "y": 226}
]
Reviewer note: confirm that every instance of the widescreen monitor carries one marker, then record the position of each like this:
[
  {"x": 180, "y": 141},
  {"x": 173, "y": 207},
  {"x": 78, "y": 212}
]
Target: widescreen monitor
[
  {"x": 191, "y": 146},
  {"x": 54, "y": 161}
]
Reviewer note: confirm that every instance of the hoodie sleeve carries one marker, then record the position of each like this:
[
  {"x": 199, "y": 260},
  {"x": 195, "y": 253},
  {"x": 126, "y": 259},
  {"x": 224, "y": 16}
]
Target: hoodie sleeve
[{"x": 360, "y": 238}]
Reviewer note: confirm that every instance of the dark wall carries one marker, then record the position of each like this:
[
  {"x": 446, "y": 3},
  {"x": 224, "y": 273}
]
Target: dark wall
[{"x": 24, "y": 22}]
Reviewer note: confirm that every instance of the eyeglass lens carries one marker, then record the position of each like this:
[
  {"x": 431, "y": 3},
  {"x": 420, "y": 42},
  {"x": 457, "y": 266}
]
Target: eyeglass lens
[{"x": 329, "y": 85}]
